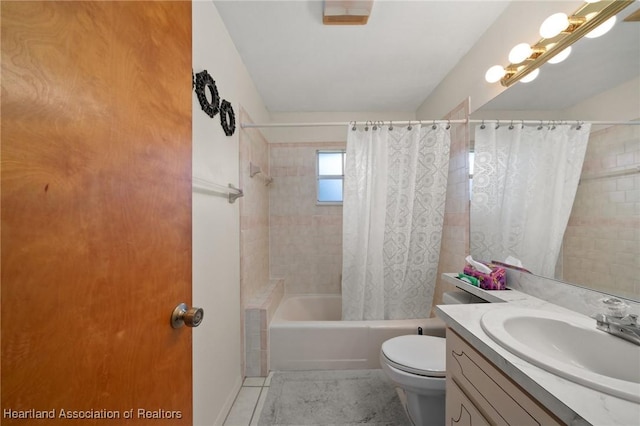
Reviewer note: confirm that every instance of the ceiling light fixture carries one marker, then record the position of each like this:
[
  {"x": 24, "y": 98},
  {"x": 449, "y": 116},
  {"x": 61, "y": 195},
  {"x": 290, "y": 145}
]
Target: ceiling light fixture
[
  {"x": 346, "y": 12},
  {"x": 558, "y": 34}
]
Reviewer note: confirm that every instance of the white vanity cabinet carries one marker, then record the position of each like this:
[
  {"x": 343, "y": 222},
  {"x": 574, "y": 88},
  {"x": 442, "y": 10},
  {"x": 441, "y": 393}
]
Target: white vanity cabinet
[{"x": 478, "y": 393}]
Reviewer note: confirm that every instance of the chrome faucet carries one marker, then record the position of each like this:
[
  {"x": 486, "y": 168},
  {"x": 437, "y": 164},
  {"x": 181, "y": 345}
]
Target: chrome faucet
[{"x": 618, "y": 322}]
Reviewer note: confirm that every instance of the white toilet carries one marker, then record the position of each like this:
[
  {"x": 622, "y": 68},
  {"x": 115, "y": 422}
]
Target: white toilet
[{"x": 416, "y": 364}]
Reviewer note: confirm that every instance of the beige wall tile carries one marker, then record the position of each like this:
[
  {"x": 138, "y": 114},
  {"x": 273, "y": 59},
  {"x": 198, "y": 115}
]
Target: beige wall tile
[
  {"x": 601, "y": 247},
  {"x": 306, "y": 239}
]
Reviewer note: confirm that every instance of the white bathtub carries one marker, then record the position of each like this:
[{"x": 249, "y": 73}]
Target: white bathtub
[{"x": 306, "y": 333}]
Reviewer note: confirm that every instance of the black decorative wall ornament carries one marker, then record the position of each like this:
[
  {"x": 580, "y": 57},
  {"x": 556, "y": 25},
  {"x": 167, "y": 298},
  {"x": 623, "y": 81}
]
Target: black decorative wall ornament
[
  {"x": 204, "y": 81},
  {"x": 227, "y": 118}
]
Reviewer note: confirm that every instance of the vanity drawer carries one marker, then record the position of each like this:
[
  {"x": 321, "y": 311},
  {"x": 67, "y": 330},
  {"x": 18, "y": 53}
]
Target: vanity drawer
[
  {"x": 460, "y": 411},
  {"x": 494, "y": 395}
]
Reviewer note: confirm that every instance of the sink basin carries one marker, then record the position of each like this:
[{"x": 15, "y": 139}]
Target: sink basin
[{"x": 569, "y": 346}]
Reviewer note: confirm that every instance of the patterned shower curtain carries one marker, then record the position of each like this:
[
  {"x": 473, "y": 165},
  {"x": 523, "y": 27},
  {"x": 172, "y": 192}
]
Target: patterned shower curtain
[
  {"x": 394, "y": 196},
  {"x": 524, "y": 184}
]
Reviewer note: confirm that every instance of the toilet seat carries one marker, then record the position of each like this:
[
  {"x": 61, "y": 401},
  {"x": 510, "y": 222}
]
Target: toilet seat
[{"x": 421, "y": 355}]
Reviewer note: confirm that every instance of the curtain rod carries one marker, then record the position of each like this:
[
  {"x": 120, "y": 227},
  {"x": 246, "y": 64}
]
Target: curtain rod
[
  {"x": 458, "y": 121},
  {"x": 346, "y": 123},
  {"x": 509, "y": 121}
]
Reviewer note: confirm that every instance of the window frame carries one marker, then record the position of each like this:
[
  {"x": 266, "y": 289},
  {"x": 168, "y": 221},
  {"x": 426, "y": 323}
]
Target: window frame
[
  {"x": 471, "y": 161},
  {"x": 320, "y": 177}
]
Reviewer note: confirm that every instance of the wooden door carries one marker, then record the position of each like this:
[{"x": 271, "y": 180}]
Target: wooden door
[{"x": 96, "y": 212}]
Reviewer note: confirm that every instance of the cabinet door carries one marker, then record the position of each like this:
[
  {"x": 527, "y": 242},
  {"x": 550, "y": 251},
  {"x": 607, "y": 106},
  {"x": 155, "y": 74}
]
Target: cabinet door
[{"x": 500, "y": 400}]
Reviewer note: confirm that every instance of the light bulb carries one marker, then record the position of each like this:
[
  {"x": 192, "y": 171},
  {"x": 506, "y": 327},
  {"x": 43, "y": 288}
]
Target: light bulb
[
  {"x": 602, "y": 29},
  {"x": 519, "y": 53},
  {"x": 554, "y": 25},
  {"x": 560, "y": 56},
  {"x": 494, "y": 74},
  {"x": 531, "y": 76}
]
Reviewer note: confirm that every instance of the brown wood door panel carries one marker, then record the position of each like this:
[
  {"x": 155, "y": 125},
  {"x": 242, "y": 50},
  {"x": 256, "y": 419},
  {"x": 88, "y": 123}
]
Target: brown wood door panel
[{"x": 96, "y": 207}]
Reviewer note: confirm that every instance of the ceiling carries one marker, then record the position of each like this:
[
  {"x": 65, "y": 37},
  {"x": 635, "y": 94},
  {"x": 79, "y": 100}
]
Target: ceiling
[
  {"x": 390, "y": 64},
  {"x": 406, "y": 49}
]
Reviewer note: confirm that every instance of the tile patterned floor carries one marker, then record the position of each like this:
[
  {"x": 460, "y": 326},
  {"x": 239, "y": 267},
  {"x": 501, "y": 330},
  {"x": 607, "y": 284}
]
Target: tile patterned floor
[
  {"x": 248, "y": 404},
  {"x": 250, "y": 400},
  {"x": 332, "y": 397}
]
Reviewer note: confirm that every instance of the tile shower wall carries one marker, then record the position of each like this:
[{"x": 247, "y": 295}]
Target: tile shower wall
[
  {"x": 259, "y": 295},
  {"x": 601, "y": 246},
  {"x": 455, "y": 232},
  {"x": 306, "y": 239},
  {"x": 254, "y": 214}
]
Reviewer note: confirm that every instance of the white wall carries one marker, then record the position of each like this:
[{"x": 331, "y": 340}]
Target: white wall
[
  {"x": 323, "y": 134},
  {"x": 217, "y": 352},
  {"x": 618, "y": 104},
  {"x": 621, "y": 103}
]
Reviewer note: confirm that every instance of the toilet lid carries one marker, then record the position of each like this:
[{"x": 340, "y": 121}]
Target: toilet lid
[{"x": 423, "y": 355}]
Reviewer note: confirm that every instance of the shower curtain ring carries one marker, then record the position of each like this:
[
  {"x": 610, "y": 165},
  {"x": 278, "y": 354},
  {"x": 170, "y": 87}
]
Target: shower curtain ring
[
  {"x": 497, "y": 124},
  {"x": 540, "y": 126},
  {"x": 366, "y": 126},
  {"x": 390, "y": 125},
  {"x": 354, "y": 126},
  {"x": 511, "y": 125},
  {"x": 448, "y": 124},
  {"x": 578, "y": 125},
  {"x": 434, "y": 126},
  {"x": 409, "y": 126},
  {"x": 522, "y": 124},
  {"x": 482, "y": 126}
]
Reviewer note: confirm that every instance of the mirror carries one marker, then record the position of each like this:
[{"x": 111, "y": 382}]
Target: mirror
[{"x": 600, "y": 81}]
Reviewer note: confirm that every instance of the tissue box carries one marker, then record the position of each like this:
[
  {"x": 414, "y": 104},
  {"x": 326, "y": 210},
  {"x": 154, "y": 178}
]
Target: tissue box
[{"x": 496, "y": 280}]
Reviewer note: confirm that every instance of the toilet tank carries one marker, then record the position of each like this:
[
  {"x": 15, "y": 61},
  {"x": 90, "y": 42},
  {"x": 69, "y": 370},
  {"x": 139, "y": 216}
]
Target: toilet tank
[{"x": 460, "y": 297}]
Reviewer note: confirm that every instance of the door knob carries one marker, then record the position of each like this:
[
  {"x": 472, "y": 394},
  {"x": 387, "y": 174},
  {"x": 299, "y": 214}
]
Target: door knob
[{"x": 183, "y": 315}]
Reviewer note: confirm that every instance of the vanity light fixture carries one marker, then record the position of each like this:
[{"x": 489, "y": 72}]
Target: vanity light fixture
[
  {"x": 560, "y": 56},
  {"x": 531, "y": 76},
  {"x": 559, "y": 32},
  {"x": 602, "y": 29},
  {"x": 520, "y": 52},
  {"x": 554, "y": 25},
  {"x": 494, "y": 74}
]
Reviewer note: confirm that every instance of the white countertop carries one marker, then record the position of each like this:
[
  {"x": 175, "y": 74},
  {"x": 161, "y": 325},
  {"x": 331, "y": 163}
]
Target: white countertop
[{"x": 572, "y": 403}]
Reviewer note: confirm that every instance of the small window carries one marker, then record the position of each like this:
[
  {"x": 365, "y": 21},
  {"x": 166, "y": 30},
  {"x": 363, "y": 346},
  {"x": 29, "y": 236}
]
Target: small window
[{"x": 330, "y": 172}]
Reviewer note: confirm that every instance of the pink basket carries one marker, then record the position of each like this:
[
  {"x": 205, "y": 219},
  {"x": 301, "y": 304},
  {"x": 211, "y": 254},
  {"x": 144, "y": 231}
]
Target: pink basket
[{"x": 496, "y": 280}]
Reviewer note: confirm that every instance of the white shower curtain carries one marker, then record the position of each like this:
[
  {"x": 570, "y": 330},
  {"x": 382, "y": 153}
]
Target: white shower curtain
[
  {"x": 394, "y": 194},
  {"x": 524, "y": 183}
]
